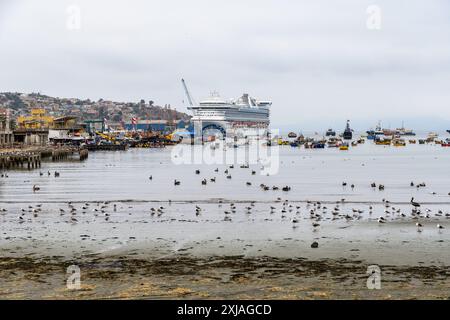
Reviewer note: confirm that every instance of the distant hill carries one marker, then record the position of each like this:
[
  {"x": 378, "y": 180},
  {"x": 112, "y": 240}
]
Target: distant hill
[{"x": 86, "y": 109}]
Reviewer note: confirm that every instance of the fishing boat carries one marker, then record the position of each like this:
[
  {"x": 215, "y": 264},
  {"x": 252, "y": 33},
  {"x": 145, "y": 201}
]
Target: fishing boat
[
  {"x": 330, "y": 133},
  {"x": 334, "y": 142},
  {"x": 372, "y": 134},
  {"x": 282, "y": 142},
  {"x": 383, "y": 141},
  {"x": 344, "y": 146},
  {"x": 398, "y": 142},
  {"x": 318, "y": 145},
  {"x": 405, "y": 132},
  {"x": 446, "y": 143},
  {"x": 432, "y": 136},
  {"x": 348, "y": 134}
]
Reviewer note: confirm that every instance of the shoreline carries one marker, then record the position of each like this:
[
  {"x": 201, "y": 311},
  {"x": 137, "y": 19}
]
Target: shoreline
[{"x": 215, "y": 277}]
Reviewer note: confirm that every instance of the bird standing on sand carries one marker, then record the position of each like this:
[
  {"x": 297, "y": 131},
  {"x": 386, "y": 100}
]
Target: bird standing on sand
[
  {"x": 414, "y": 204},
  {"x": 419, "y": 227}
]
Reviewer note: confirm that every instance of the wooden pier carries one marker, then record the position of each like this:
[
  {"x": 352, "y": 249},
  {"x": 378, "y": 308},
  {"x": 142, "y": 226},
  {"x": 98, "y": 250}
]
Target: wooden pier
[
  {"x": 31, "y": 159},
  {"x": 11, "y": 160}
]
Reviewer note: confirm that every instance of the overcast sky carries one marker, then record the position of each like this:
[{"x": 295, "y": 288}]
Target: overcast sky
[{"x": 316, "y": 60}]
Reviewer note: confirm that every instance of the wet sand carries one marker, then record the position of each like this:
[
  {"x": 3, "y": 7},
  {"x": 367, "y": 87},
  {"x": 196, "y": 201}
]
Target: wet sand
[
  {"x": 136, "y": 256},
  {"x": 215, "y": 277}
]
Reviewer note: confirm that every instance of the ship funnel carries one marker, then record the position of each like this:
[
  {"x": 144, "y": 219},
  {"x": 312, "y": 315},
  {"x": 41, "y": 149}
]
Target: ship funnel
[{"x": 245, "y": 98}]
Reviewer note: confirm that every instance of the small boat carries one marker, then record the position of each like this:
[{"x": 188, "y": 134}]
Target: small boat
[
  {"x": 383, "y": 141},
  {"x": 344, "y": 146},
  {"x": 294, "y": 144},
  {"x": 348, "y": 134},
  {"x": 422, "y": 141},
  {"x": 318, "y": 145},
  {"x": 292, "y": 135},
  {"x": 334, "y": 142},
  {"x": 282, "y": 142},
  {"x": 446, "y": 143},
  {"x": 330, "y": 133},
  {"x": 398, "y": 142},
  {"x": 448, "y": 131},
  {"x": 412, "y": 141}
]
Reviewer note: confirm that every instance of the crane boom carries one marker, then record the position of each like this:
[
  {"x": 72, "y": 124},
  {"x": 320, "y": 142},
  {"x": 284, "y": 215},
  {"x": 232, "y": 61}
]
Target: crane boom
[{"x": 190, "y": 99}]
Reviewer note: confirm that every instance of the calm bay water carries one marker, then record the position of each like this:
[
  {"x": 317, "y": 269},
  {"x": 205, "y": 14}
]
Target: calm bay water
[{"x": 312, "y": 174}]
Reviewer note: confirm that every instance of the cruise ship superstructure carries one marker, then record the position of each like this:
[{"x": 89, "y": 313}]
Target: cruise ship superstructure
[{"x": 242, "y": 117}]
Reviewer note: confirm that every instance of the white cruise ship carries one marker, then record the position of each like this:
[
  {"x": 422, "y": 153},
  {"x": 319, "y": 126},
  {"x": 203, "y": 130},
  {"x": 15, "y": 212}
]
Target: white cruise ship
[{"x": 242, "y": 117}]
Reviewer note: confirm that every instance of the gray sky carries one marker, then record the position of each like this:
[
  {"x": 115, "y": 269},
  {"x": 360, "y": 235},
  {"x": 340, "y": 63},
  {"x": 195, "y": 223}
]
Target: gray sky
[{"x": 316, "y": 60}]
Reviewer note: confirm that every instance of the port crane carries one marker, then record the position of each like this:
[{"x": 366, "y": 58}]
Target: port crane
[{"x": 190, "y": 99}]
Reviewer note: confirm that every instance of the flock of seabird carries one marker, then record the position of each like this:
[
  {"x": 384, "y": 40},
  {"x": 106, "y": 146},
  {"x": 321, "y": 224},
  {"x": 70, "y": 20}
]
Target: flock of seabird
[{"x": 316, "y": 211}]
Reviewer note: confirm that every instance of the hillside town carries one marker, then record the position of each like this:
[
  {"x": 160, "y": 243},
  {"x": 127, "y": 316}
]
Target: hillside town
[{"x": 37, "y": 119}]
